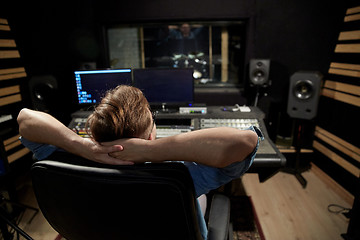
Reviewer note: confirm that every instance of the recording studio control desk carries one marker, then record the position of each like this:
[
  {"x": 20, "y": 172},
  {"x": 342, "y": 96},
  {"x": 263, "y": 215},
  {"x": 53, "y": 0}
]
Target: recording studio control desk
[{"x": 268, "y": 159}]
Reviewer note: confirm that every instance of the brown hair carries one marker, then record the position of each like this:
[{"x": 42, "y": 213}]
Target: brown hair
[{"x": 122, "y": 113}]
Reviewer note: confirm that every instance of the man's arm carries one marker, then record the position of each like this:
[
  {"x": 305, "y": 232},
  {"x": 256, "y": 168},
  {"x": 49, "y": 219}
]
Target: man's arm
[
  {"x": 216, "y": 147},
  {"x": 41, "y": 127}
]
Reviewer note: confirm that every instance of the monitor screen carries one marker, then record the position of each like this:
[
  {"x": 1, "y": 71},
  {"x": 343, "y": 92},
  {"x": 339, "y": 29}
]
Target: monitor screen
[
  {"x": 92, "y": 84},
  {"x": 173, "y": 86}
]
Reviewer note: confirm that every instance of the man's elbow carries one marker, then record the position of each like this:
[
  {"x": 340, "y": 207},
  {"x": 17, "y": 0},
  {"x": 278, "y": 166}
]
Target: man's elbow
[
  {"x": 242, "y": 148},
  {"x": 252, "y": 141},
  {"x": 21, "y": 119}
]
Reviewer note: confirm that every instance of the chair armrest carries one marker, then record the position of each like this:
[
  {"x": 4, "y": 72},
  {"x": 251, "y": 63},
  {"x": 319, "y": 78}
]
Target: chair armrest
[{"x": 219, "y": 218}]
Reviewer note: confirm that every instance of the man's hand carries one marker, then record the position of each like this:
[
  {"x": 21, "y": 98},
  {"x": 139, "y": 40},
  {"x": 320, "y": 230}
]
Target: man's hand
[
  {"x": 134, "y": 150},
  {"x": 99, "y": 153}
]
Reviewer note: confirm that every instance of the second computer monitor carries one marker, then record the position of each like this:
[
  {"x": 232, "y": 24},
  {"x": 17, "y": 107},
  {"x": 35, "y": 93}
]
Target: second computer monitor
[{"x": 172, "y": 87}]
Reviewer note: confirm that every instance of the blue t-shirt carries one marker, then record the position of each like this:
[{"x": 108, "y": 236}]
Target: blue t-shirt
[{"x": 205, "y": 178}]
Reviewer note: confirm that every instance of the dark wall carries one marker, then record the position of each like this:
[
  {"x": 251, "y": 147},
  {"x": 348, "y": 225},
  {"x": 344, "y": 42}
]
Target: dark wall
[
  {"x": 56, "y": 38},
  {"x": 296, "y": 36},
  {"x": 139, "y": 10}
]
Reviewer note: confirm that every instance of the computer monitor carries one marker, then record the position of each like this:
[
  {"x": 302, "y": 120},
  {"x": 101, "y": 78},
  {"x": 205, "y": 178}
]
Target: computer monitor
[
  {"x": 92, "y": 84},
  {"x": 170, "y": 87}
]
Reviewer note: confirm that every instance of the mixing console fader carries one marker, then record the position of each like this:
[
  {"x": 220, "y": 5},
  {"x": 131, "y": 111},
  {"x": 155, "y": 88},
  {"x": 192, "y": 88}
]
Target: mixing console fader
[{"x": 241, "y": 124}]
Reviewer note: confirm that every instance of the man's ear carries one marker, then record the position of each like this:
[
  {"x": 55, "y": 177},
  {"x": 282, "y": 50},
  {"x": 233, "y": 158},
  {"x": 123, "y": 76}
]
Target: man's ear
[{"x": 151, "y": 136}]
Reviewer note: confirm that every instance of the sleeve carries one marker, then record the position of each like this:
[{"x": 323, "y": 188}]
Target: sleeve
[{"x": 41, "y": 151}]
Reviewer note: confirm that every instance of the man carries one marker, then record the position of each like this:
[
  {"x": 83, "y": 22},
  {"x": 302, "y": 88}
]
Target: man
[{"x": 121, "y": 127}]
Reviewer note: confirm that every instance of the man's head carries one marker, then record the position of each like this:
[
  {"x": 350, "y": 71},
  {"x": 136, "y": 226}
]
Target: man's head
[
  {"x": 123, "y": 113},
  {"x": 185, "y": 29}
]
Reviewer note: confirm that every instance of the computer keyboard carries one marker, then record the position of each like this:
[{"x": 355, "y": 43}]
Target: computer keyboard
[{"x": 241, "y": 124}]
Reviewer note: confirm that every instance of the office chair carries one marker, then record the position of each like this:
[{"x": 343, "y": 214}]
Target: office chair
[{"x": 84, "y": 200}]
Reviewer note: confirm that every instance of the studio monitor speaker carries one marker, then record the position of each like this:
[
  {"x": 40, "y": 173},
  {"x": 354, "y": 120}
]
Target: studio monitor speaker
[
  {"x": 304, "y": 93},
  {"x": 259, "y": 71},
  {"x": 43, "y": 90}
]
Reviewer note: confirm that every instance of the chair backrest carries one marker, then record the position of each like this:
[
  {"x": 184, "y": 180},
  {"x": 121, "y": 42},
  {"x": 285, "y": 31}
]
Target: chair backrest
[{"x": 84, "y": 200}]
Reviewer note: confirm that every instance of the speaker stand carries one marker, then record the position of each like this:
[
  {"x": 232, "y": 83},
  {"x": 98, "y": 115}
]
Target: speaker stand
[
  {"x": 296, "y": 171},
  {"x": 258, "y": 87},
  {"x": 256, "y": 97}
]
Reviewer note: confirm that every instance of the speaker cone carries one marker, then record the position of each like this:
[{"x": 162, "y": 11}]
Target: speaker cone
[
  {"x": 303, "y": 89},
  {"x": 259, "y": 71},
  {"x": 258, "y": 76}
]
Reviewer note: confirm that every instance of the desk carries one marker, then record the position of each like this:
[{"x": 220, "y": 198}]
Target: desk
[{"x": 268, "y": 161}]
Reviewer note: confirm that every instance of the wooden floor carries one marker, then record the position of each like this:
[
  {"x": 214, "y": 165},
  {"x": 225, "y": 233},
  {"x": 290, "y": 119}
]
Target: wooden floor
[
  {"x": 39, "y": 228},
  {"x": 285, "y": 210}
]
